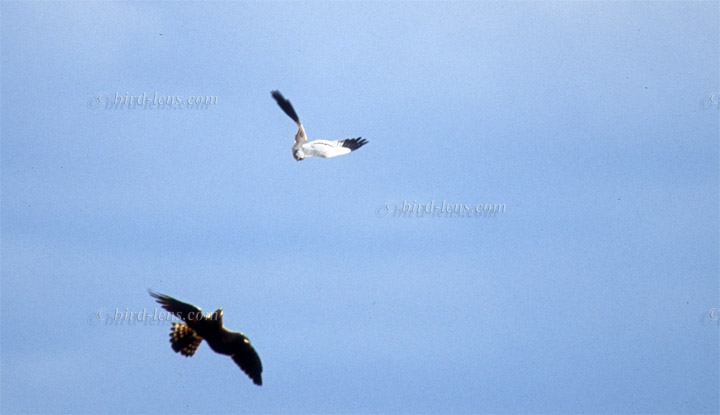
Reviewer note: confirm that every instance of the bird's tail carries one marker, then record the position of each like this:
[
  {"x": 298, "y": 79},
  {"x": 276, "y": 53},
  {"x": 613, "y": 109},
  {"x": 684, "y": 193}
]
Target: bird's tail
[{"x": 184, "y": 340}]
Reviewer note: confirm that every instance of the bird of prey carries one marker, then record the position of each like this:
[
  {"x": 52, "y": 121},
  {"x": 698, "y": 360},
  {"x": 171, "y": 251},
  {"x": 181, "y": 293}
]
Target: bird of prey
[
  {"x": 318, "y": 148},
  {"x": 186, "y": 337}
]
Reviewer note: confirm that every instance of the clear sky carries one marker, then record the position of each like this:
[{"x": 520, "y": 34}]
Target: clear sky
[{"x": 595, "y": 124}]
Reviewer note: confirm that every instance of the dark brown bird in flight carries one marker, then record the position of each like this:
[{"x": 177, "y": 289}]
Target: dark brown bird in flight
[{"x": 186, "y": 337}]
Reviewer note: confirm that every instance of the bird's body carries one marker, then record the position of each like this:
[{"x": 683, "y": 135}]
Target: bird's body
[
  {"x": 319, "y": 148},
  {"x": 186, "y": 337}
]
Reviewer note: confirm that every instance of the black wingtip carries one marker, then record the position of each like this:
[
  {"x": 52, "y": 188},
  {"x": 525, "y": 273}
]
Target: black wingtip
[
  {"x": 161, "y": 299},
  {"x": 285, "y": 105},
  {"x": 354, "y": 143}
]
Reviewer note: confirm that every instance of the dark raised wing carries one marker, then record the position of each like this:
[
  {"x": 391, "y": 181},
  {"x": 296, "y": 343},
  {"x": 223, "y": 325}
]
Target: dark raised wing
[
  {"x": 184, "y": 311},
  {"x": 247, "y": 358},
  {"x": 286, "y": 106}
]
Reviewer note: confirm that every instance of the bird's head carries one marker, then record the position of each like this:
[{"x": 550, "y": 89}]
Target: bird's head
[
  {"x": 298, "y": 155},
  {"x": 217, "y": 315}
]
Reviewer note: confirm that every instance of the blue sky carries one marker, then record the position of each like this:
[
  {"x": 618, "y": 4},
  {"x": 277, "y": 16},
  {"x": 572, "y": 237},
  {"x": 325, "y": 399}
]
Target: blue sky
[{"x": 594, "y": 123}]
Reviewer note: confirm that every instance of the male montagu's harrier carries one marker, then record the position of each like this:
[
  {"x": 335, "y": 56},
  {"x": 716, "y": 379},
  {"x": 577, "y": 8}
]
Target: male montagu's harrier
[{"x": 317, "y": 148}]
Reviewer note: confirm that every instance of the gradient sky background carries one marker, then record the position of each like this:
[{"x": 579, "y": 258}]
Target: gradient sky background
[{"x": 594, "y": 123}]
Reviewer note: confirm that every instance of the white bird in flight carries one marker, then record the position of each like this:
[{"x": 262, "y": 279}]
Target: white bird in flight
[{"x": 318, "y": 148}]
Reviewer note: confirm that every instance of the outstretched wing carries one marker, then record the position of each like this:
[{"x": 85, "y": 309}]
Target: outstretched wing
[
  {"x": 327, "y": 149},
  {"x": 247, "y": 358},
  {"x": 186, "y": 312},
  {"x": 286, "y": 106},
  {"x": 352, "y": 143}
]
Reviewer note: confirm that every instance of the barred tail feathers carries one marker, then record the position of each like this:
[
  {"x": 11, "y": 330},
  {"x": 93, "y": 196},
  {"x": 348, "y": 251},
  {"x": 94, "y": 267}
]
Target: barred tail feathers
[{"x": 184, "y": 340}]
